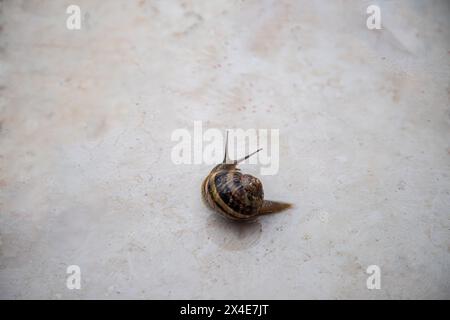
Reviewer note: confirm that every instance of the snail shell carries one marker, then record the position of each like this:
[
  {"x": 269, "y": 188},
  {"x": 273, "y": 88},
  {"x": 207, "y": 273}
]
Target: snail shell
[{"x": 235, "y": 195}]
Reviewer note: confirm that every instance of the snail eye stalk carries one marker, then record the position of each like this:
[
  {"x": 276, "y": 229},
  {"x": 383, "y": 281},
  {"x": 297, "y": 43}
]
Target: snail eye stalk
[
  {"x": 247, "y": 156},
  {"x": 226, "y": 158}
]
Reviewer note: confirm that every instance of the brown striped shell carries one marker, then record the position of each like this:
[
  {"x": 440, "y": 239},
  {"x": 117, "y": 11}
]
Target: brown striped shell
[{"x": 233, "y": 194}]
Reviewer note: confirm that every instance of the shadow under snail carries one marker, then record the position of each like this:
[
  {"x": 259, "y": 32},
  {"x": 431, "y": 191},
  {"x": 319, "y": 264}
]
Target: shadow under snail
[{"x": 235, "y": 195}]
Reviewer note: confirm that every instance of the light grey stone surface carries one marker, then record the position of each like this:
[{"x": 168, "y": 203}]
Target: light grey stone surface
[{"x": 86, "y": 176}]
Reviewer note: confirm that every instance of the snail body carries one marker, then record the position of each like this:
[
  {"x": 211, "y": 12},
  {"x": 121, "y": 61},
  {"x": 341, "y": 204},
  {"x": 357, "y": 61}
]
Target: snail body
[{"x": 235, "y": 195}]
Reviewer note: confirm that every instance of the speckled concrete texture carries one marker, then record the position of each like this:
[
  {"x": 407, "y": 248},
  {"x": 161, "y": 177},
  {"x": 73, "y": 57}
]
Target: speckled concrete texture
[{"x": 86, "y": 176}]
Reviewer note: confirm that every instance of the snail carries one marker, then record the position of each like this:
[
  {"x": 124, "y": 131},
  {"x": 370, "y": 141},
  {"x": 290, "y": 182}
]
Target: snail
[{"x": 235, "y": 195}]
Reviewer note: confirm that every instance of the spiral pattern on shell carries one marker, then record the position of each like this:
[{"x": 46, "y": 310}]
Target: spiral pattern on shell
[{"x": 233, "y": 194}]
